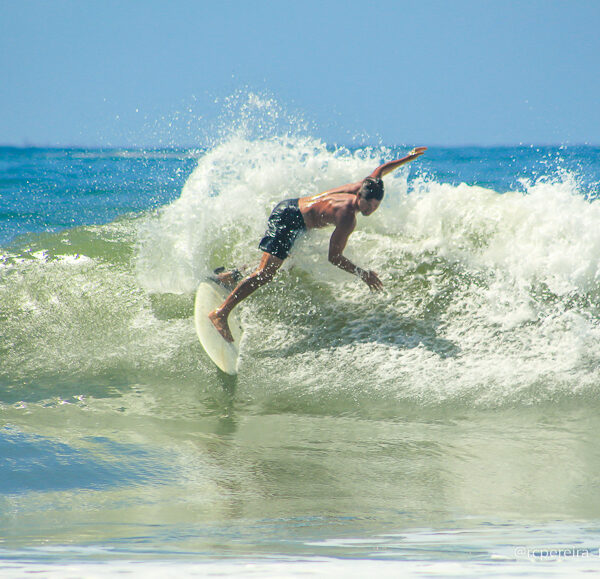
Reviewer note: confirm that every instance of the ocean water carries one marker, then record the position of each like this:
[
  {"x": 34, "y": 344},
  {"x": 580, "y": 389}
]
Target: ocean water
[{"x": 445, "y": 427}]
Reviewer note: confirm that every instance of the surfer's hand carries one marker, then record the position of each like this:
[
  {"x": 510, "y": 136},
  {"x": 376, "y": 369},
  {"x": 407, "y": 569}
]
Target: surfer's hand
[
  {"x": 371, "y": 279},
  {"x": 417, "y": 151}
]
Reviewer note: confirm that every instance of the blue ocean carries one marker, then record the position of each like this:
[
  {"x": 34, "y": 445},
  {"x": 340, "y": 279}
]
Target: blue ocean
[{"x": 447, "y": 426}]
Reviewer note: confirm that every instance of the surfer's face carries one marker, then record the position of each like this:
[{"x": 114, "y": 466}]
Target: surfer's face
[
  {"x": 367, "y": 207},
  {"x": 370, "y": 195}
]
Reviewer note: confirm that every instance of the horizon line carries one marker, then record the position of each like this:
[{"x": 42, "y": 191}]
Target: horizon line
[{"x": 336, "y": 144}]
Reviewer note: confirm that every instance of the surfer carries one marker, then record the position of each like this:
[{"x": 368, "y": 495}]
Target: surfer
[{"x": 291, "y": 217}]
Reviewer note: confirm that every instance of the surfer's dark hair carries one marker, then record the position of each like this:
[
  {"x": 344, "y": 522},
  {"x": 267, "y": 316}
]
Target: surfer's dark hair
[{"x": 371, "y": 189}]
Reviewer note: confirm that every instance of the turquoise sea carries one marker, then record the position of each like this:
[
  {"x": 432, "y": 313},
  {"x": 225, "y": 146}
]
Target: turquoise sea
[{"x": 445, "y": 427}]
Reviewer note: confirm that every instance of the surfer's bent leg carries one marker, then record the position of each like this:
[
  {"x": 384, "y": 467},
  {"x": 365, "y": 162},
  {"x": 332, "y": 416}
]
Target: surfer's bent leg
[
  {"x": 269, "y": 264},
  {"x": 285, "y": 224}
]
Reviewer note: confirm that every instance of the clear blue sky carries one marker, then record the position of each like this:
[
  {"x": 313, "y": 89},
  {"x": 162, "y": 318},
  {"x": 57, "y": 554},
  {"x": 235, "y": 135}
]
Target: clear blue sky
[{"x": 452, "y": 72}]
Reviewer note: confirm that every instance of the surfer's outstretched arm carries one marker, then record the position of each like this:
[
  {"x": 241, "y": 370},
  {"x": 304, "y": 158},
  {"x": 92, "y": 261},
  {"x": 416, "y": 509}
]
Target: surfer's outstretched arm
[
  {"x": 391, "y": 165},
  {"x": 382, "y": 170}
]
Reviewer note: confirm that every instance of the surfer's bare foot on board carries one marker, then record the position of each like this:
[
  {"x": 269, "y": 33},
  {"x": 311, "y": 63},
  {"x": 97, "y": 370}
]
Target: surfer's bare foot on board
[{"x": 220, "y": 322}]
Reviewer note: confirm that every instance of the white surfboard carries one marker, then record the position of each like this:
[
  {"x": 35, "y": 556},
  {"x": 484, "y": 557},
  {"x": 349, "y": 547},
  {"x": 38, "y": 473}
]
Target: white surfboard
[{"x": 223, "y": 353}]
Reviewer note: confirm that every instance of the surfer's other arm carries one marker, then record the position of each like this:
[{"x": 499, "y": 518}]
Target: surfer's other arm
[
  {"x": 337, "y": 244},
  {"x": 391, "y": 165}
]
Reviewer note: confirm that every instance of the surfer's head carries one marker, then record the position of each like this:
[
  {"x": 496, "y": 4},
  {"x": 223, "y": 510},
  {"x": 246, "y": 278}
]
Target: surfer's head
[
  {"x": 370, "y": 195},
  {"x": 371, "y": 189}
]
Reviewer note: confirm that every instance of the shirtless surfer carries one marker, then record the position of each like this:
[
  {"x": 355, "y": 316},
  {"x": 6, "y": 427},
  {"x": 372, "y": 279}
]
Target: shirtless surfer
[{"x": 291, "y": 217}]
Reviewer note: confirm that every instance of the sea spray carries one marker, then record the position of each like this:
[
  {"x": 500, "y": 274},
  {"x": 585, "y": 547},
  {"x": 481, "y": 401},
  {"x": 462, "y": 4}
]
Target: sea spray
[{"x": 225, "y": 202}]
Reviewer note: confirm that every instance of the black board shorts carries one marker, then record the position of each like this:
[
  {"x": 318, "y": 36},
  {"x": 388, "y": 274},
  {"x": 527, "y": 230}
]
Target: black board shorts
[{"x": 284, "y": 225}]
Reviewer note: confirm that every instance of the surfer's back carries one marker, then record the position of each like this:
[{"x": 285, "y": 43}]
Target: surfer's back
[{"x": 326, "y": 208}]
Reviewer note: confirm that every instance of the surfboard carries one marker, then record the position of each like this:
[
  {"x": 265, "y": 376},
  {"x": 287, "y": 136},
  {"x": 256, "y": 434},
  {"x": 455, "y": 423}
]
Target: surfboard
[{"x": 224, "y": 354}]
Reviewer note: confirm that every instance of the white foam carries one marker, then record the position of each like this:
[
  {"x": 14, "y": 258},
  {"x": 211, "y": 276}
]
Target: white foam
[
  {"x": 488, "y": 295},
  {"x": 548, "y": 234}
]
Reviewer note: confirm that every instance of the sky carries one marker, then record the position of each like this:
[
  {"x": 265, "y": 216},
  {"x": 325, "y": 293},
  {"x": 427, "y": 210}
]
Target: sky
[{"x": 161, "y": 73}]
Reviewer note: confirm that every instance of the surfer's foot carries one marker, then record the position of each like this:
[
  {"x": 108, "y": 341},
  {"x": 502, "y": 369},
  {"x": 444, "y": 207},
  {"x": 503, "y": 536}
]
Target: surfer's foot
[
  {"x": 228, "y": 279},
  {"x": 220, "y": 322}
]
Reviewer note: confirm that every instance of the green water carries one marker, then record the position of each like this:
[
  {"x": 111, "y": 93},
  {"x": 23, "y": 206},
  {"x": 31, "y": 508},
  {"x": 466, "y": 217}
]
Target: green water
[{"x": 178, "y": 473}]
